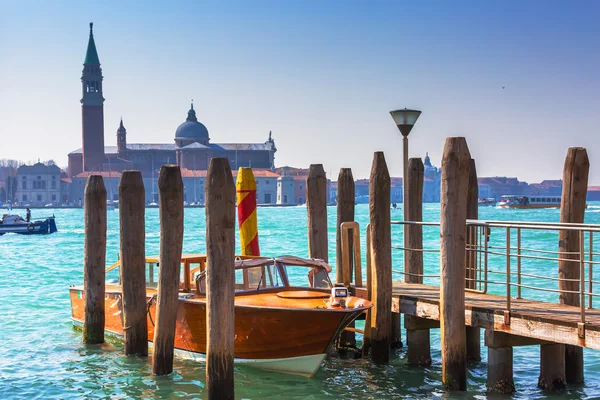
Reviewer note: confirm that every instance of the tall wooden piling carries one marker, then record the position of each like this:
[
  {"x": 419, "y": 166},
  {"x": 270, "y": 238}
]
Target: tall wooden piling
[
  {"x": 170, "y": 192},
  {"x": 418, "y": 340},
  {"x": 345, "y": 213},
  {"x": 381, "y": 259},
  {"x": 133, "y": 262},
  {"x": 94, "y": 259},
  {"x": 220, "y": 252},
  {"x": 316, "y": 207},
  {"x": 552, "y": 367},
  {"x": 369, "y": 317},
  {"x": 473, "y": 333},
  {"x": 572, "y": 210},
  {"x": 453, "y": 213}
]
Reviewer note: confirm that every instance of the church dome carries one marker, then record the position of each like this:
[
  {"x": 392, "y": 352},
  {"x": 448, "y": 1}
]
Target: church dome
[{"x": 191, "y": 129}]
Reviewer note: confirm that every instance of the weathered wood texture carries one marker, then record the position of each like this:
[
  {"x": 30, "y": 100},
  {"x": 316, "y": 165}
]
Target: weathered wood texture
[
  {"x": 418, "y": 341},
  {"x": 220, "y": 252},
  {"x": 345, "y": 213},
  {"x": 453, "y": 210},
  {"x": 500, "y": 370},
  {"x": 94, "y": 259},
  {"x": 133, "y": 262},
  {"x": 473, "y": 334},
  {"x": 555, "y": 323},
  {"x": 572, "y": 210},
  {"x": 316, "y": 207},
  {"x": 170, "y": 191},
  {"x": 368, "y": 294},
  {"x": 381, "y": 259},
  {"x": 552, "y": 367}
]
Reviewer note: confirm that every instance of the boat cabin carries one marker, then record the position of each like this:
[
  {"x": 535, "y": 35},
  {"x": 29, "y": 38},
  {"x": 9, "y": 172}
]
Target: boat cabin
[
  {"x": 519, "y": 201},
  {"x": 252, "y": 274}
]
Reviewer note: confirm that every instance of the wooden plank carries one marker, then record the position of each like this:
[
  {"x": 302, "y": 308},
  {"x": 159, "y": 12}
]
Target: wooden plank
[
  {"x": 220, "y": 256},
  {"x": 316, "y": 208},
  {"x": 170, "y": 191},
  {"x": 453, "y": 217},
  {"x": 381, "y": 259},
  {"x": 94, "y": 259},
  {"x": 133, "y": 261},
  {"x": 572, "y": 210}
]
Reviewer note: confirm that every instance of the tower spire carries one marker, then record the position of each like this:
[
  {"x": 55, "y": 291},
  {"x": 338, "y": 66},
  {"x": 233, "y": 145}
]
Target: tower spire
[{"x": 91, "y": 56}]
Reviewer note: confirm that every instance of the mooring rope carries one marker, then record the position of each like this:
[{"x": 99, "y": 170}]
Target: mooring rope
[{"x": 148, "y": 305}]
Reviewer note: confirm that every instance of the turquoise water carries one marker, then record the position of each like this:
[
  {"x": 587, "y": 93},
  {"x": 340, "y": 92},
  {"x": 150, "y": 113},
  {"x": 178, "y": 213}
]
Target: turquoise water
[{"x": 41, "y": 355}]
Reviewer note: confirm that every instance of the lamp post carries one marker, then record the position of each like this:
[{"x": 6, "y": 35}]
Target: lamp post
[{"x": 405, "y": 119}]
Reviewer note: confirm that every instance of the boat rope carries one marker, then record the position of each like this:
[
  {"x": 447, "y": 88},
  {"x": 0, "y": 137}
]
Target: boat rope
[{"x": 147, "y": 313}]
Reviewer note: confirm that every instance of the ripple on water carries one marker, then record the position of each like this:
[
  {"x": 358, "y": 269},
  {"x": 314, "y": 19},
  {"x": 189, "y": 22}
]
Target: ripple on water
[{"x": 41, "y": 355}]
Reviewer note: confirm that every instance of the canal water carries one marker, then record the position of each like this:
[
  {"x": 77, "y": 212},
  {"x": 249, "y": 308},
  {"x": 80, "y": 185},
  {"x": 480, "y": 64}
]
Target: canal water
[{"x": 42, "y": 357}]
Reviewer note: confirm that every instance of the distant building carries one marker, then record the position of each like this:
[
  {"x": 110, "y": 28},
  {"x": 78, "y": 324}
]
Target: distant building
[
  {"x": 501, "y": 185},
  {"x": 432, "y": 177},
  {"x": 38, "y": 184},
  {"x": 485, "y": 191},
  {"x": 191, "y": 149}
]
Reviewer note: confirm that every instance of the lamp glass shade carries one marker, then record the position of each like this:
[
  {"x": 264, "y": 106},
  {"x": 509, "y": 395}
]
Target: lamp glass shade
[{"x": 405, "y": 119}]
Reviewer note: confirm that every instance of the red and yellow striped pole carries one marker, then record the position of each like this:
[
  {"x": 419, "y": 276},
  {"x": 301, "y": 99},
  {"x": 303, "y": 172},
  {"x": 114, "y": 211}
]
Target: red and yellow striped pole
[{"x": 246, "y": 207}]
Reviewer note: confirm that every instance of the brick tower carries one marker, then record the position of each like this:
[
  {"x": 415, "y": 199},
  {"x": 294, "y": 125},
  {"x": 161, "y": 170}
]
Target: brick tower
[{"x": 92, "y": 109}]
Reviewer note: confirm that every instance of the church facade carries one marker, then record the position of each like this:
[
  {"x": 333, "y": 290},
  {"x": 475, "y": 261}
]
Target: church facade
[{"x": 191, "y": 148}]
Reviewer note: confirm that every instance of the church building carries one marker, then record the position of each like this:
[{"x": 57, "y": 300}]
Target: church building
[{"x": 191, "y": 148}]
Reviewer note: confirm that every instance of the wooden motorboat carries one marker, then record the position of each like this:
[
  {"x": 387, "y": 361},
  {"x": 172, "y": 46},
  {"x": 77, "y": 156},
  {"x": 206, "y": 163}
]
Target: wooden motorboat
[
  {"x": 287, "y": 312},
  {"x": 12, "y": 223}
]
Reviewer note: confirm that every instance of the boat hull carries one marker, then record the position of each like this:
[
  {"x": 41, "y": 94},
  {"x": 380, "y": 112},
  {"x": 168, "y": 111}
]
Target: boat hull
[
  {"x": 289, "y": 340},
  {"x": 44, "y": 227}
]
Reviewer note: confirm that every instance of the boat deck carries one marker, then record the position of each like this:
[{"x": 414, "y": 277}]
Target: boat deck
[{"x": 533, "y": 319}]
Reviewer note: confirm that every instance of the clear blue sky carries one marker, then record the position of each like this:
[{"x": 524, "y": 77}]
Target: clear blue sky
[{"x": 322, "y": 75}]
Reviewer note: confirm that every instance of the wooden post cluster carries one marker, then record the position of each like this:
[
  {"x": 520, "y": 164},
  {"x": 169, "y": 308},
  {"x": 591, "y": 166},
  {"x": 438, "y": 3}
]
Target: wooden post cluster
[
  {"x": 473, "y": 333},
  {"x": 453, "y": 212},
  {"x": 94, "y": 259},
  {"x": 345, "y": 213},
  {"x": 133, "y": 262},
  {"x": 500, "y": 361},
  {"x": 572, "y": 210},
  {"x": 220, "y": 253},
  {"x": 170, "y": 192},
  {"x": 417, "y": 337},
  {"x": 316, "y": 207},
  {"x": 381, "y": 259}
]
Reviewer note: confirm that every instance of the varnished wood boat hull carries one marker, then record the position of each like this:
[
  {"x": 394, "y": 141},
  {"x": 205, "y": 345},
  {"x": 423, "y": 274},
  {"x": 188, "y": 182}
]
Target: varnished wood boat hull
[{"x": 280, "y": 337}]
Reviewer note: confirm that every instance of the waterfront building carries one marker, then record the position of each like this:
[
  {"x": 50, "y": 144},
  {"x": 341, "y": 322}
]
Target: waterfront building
[
  {"x": 191, "y": 147},
  {"x": 485, "y": 191},
  {"x": 38, "y": 185},
  {"x": 432, "y": 179}
]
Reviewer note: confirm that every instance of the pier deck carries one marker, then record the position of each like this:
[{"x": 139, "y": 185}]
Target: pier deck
[{"x": 532, "y": 319}]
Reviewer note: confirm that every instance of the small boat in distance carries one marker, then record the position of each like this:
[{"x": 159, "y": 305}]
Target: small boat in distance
[
  {"x": 520, "y": 201},
  {"x": 12, "y": 223},
  {"x": 287, "y": 312},
  {"x": 488, "y": 201}
]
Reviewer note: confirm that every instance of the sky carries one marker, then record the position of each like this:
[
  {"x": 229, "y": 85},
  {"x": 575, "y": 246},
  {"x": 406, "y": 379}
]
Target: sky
[{"x": 519, "y": 79}]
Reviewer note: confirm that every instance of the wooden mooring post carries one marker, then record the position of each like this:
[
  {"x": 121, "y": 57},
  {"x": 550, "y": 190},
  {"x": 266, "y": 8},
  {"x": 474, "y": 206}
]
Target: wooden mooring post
[
  {"x": 170, "y": 192},
  {"x": 572, "y": 210},
  {"x": 453, "y": 215},
  {"x": 381, "y": 259},
  {"x": 220, "y": 253},
  {"x": 473, "y": 333},
  {"x": 417, "y": 337},
  {"x": 345, "y": 213},
  {"x": 94, "y": 259},
  {"x": 133, "y": 262},
  {"x": 316, "y": 207}
]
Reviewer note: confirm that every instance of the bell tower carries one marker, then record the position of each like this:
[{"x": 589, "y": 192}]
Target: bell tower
[{"x": 92, "y": 109}]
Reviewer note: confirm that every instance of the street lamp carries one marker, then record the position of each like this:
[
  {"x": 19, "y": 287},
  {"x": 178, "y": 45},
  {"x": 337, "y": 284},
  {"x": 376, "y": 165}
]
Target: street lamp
[{"x": 405, "y": 120}]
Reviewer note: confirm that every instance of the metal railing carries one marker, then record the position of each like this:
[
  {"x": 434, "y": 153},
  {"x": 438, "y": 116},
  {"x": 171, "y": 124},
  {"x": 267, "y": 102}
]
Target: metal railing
[{"x": 488, "y": 242}]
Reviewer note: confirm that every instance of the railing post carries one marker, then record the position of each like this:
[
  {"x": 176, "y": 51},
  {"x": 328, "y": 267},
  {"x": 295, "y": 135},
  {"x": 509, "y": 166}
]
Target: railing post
[
  {"x": 417, "y": 340},
  {"x": 572, "y": 210},
  {"x": 453, "y": 217},
  {"x": 518, "y": 263},
  {"x": 507, "y": 312},
  {"x": 590, "y": 269}
]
